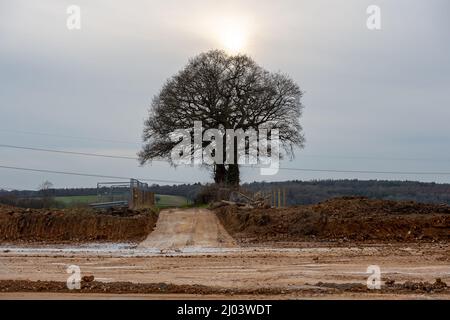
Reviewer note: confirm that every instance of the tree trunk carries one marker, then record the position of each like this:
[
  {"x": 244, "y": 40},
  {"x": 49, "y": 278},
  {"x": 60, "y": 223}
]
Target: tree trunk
[
  {"x": 227, "y": 174},
  {"x": 220, "y": 173},
  {"x": 232, "y": 177}
]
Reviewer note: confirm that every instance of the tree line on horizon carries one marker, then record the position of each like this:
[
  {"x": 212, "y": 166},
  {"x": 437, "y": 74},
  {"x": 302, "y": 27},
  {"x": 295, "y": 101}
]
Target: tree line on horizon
[{"x": 297, "y": 192}]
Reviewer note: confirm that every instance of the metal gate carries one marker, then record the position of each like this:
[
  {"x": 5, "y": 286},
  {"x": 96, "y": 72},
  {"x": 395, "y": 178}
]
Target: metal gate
[{"x": 133, "y": 194}]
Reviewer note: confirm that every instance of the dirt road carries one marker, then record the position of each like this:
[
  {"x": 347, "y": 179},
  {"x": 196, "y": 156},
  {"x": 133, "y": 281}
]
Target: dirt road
[
  {"x": 177, "y": 228},
  {"x": 293, "y": 272},
  {"x": 189, "y": 254}
]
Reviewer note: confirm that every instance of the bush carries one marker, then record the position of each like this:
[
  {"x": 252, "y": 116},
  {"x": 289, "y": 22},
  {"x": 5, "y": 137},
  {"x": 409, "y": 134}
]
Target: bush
[{"x": 211, "y": 193}]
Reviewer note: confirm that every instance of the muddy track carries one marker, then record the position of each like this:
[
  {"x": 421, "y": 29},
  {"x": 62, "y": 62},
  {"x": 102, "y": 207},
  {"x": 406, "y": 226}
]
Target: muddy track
[{"x": 177, "y": 229}]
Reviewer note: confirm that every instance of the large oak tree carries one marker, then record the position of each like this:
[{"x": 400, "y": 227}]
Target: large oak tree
[{"x": 223, "y": 92}]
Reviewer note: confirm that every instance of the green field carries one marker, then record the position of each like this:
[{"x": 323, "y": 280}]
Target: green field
[
  {"x": 170, "y": 201},
  {"x": 162, "y": 200},
  {"x": 74, "y": 200}
]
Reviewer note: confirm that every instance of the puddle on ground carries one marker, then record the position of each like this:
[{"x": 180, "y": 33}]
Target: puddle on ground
[{"x": 132, "y": 249}]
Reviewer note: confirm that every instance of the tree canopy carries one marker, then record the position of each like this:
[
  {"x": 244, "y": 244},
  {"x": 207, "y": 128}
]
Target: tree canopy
[{"x": 223, "y": 92}]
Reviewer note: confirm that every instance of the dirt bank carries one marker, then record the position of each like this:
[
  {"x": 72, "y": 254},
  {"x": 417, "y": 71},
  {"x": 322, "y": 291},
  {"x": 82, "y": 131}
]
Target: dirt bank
[
  {"x": 341, "y": 219},
  {"x": 81, "y": 225},
  {"x": 166, "y": 288}
]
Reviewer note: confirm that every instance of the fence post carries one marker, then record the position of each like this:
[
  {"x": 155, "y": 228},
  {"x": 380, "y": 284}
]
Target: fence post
[
  {"x": 274, "y": 198},
  {"x": 278, "y": 198}
]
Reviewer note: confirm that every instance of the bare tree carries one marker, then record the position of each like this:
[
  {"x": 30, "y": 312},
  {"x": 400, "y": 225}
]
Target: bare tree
[
  {"x": 223, "y": 92},
  {"x": 46, "y": 191}
]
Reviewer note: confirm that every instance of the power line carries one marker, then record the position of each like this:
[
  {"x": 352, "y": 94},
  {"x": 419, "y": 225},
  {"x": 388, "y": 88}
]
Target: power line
[
  {"x": 371, "y": 158},
  {"x": 246, "y": 166},
  {"x": 159, "y": 160},
  {"x": 88, "y": 174},
  {"x": 68, "y": 152},
  {"x": 175, "y": 181},
  {"x": 89, "y": 154},
  {"x": 134, "y": 143},
  {"x": 69, "y": 137}
]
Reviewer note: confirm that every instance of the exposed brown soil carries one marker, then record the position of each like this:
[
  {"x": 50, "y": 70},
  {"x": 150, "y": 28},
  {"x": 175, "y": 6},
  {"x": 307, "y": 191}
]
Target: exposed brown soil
[
  {"x": 310, "y": 270},
  {"x": 291, "y": 253},
  {"x": 149, "y": 288},
  {"x": 390, "y": 286},
  {"x": 75, "y": 225},
  {"x": 341, "y": 219}
]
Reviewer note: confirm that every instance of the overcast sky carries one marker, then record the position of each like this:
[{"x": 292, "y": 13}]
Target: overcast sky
[{"x": 374, "y": 100}]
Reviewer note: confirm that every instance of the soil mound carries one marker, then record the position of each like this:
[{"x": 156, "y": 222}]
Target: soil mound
[
  {"x": 340, "y": 219},
  {"x": 167, "y": 288},
  {"x": 60, "y": 225}
]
